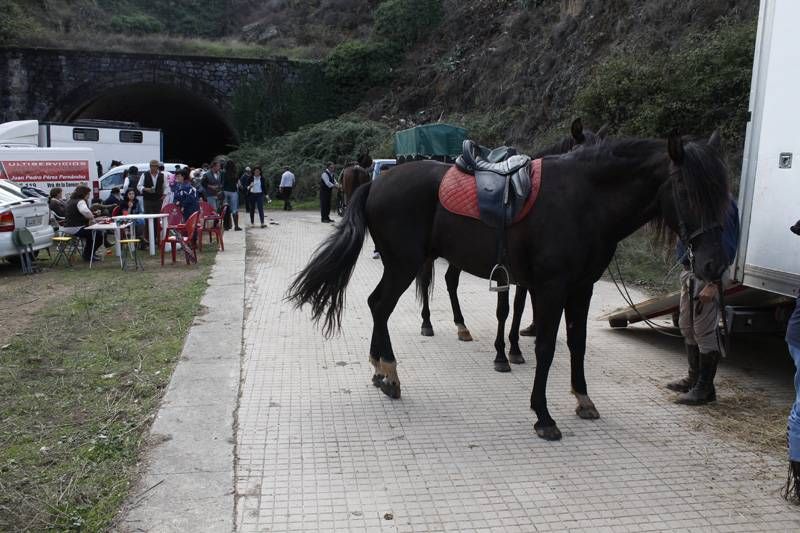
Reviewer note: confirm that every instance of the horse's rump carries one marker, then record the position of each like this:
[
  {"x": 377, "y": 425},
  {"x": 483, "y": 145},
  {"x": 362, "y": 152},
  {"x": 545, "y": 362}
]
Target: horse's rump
[{"x": 458, "y": 192}]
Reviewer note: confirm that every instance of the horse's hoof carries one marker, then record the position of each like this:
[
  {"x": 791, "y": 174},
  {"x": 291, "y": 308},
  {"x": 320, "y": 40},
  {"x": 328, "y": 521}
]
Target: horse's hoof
[
  {"x": 589, "y": 412},
  {"x": 548, "y": 432},
  {"x": 377, "y": 379},
  {"x": 465, "y": 335},
  {"x": 502, "y": 366},
  {"x": 427, "y": 331},
  {"x": 516, "y": 358},
  {"x": 392, "y": 390}
]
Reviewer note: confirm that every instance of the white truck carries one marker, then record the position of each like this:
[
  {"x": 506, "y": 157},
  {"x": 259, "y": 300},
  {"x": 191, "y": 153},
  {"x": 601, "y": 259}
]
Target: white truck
[
  {"x": 110, "y": 141},
  {"x": 767, "y": 267}
]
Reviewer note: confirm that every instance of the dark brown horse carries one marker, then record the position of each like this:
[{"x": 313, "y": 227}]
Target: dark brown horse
[
  {"x": 589, "y": 200},
  {"x": 354, "y": 175},
  {"x": 578, "y": 137}
]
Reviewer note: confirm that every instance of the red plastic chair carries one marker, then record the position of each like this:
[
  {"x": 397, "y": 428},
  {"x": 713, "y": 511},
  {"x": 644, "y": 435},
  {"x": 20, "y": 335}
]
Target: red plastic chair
[
  {"x": 208, "y": 219},
  {"x": 186, "y": 241},
  {"x": 174, "y": 218},
  {"x": 115, "y": 211},
  {"x": 216, "y": 228}
]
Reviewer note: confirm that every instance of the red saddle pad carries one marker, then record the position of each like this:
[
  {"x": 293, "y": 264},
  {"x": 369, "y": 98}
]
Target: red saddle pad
[{"x": 458, "y": 192}]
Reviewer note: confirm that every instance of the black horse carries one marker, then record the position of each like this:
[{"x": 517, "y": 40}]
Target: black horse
[
  {"x": 578, "y": 137},
  {"x": 589, "y": 200}
]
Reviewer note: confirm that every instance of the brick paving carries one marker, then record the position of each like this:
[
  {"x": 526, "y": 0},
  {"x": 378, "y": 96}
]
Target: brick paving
[{"x": 320, "y": 449}]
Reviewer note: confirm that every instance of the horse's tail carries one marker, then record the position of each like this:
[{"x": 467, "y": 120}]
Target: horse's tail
[{"x": 322, "y": 283}]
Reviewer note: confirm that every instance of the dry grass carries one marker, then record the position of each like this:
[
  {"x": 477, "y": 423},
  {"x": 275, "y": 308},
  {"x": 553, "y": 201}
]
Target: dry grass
[{"x": 746, "y": 415}]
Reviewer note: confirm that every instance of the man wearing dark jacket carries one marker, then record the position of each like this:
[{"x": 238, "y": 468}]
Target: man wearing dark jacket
[{"x": 327, "y": 183}]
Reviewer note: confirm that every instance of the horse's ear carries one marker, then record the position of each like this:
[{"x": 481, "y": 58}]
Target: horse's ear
[
  {"x": 603, "y": 131},
  {"x": 675, "y": 147},
  {"x": 577, "y": 130},
  {"x": 715, "y": 141}
]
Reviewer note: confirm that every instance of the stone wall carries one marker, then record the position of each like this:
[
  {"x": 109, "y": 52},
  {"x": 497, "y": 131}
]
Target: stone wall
[{"x": 55, "y": 84}]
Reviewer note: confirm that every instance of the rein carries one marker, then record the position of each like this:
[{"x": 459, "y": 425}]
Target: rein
[{"x": 687, "y": 239}]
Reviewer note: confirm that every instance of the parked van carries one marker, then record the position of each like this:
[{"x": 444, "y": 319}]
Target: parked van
[{"x": 115, "y": 176}]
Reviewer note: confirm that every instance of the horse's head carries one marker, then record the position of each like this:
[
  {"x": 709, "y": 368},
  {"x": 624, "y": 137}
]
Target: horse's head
[
  {"x": 695, "y": 200},
  {"x": 578, "y": 138},
  {"x": 364, "y": 159}
]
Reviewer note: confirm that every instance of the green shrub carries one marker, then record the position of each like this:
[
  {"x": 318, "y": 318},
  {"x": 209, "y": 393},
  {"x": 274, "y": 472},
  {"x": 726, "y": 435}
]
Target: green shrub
[
  {"x": 406, "y": 21},
  {"x": 15, "y": 23},
  {"x": 306, "y": 150},
  {"x": 136, "y": 23},
  {"x": 361, "y": 64},
  {"x": 703, "y": 86}
]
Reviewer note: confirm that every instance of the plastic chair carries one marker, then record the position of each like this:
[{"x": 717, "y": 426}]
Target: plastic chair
[
  {"x": 186, "y": 241},
  {"x": 66, "y": 248},
  {"x": 115, "y": 211},
  {"x": 216, "y": 229}
]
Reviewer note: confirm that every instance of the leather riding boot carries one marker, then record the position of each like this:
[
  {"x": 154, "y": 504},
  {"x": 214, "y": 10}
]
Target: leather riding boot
[
  {"x": 530, "y": 331},
  {"x": 685, "y": 384},
  {"x": 703, "y": 391}
]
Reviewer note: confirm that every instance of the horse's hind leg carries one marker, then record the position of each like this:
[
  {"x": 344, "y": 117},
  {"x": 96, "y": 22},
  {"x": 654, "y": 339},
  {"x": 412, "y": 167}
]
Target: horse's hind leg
[
  {"x": 514, "y": 353},
  {"x": 424, "y": 280},
  {"x": 451, "y": 277},
  {"x": 382, "y": 302},
  {"x": 576, "y": 312}
]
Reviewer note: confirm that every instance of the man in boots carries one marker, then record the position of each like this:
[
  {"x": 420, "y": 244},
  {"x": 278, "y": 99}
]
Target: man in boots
[{"x": 699, "y": 320}]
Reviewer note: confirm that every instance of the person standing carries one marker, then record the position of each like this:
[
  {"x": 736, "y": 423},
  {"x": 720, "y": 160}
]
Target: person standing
[
  {"x": 791, "y": 491},
  {"x": 185, "y": 194},
  {"x": 256, "y": 186},
  {"x": 244, "y": 180},
  {"x": 230, "y": 187},
  {"x": 286, "y": 186},
  {"x": 211, "y": 183},
  {"x": 327, "y": 183},
  {"x": 153, "y": 187},
  {"x": 699, "y": 320}
]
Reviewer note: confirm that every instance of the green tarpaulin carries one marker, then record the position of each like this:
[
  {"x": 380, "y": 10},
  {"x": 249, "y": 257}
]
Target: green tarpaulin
[{"x": 429, "y": 140}]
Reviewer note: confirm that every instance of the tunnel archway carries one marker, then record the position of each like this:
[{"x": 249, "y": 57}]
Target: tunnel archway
[{"x": 195, "y": 129}]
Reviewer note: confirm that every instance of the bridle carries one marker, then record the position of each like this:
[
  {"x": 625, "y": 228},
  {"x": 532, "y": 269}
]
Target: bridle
[
  {"x": 683, "y": 229},
  {"x": 687, "y": 238}
]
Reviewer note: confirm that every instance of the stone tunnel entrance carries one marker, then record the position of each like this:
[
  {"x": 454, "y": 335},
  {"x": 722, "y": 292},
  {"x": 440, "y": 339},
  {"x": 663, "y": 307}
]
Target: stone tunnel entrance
[{"x": 195, "y": 129}]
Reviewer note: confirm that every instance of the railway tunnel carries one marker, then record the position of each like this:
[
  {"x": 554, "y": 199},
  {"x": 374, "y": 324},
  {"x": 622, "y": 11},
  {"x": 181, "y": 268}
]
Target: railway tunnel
[{"x": 195, "y": 129}]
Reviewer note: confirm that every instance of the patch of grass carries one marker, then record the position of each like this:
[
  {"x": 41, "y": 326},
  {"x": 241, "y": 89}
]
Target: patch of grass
[
  {"x": 80, "y": 384},
  {"x": 645, "y": 264}
]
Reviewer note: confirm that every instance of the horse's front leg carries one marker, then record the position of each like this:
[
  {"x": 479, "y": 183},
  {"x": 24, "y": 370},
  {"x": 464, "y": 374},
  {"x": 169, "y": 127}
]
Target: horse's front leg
[
  {"x": 576, "y": 312},
  {"x": 549, "y": 305},
  {"x": 514, "y": 353},
  {"x": 500, "y": 361},
  {"x": 451, "y": 278}
]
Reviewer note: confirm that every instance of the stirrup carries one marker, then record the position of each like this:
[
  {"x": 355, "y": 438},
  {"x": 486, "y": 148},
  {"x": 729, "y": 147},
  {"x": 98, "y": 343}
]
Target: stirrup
[{"x": 498, "y": 287}]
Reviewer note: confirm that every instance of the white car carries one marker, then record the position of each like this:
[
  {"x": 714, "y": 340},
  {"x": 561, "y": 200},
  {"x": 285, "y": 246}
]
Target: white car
[
  {"x": 20, "y": 211},
  {"x": 381, "y": 165},
  {"x": 114, "y": 177}
]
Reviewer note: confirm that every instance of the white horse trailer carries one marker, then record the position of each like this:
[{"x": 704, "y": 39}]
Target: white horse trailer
[
  {"x": 767, "y": 266},
  {"x": 109, "y": 142},
  {"x": 769, "y": 194}
]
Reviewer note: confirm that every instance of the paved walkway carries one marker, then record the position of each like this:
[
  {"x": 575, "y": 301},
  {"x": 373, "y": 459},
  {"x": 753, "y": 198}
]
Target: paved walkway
[{"x": 320, "y": 449}]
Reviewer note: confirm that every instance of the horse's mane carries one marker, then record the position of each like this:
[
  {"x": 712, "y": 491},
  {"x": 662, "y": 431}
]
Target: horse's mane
[{"x": 702, "y": 173}]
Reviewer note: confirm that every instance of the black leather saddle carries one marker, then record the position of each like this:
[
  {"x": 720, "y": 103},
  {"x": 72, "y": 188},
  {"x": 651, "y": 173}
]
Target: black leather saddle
[{"x": 503, "y": 179}]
